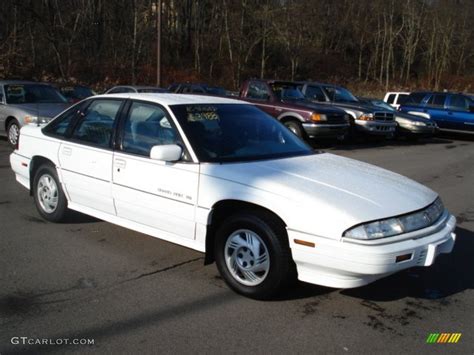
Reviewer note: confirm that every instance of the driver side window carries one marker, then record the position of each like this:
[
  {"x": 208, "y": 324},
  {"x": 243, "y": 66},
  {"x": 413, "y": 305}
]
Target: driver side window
[
  {"x": 96, "y": 125},
  {"x": 146, "y": 126},
  {"x": 315, "y": 93}
]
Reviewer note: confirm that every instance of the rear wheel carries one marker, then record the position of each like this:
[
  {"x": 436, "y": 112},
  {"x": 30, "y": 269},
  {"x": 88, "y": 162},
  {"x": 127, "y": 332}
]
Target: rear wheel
[
  {"x": 49, "y": 197},
  {"x": 13, "y": 133},
  {"x": 252, "y": 254}
]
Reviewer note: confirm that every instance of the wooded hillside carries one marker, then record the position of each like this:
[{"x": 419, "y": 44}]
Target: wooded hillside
[{"x": 383, "y": 44}]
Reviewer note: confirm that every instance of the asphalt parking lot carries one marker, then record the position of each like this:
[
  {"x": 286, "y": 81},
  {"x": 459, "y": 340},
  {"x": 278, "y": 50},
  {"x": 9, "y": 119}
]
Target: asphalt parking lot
[{"x": 133, "y": 293}]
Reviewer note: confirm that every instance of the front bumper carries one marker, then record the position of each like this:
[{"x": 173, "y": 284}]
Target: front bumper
[
  {"x": 343, "y": 264},
  {"x": 418, "y": 130},
  {"x": 326, "y": 130},
  {"x": 378, "y": 128},
  {"x": 21, "y": 167}
]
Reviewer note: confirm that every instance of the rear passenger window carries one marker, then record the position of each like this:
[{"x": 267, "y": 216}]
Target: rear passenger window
[
  {"x": 437, "y": 100},
  {"x": 145, "y": 127},
  {"x": 391, "y": 98},
  {"x": 97, "y": 123},
  {"x": 459, "y": 103}
]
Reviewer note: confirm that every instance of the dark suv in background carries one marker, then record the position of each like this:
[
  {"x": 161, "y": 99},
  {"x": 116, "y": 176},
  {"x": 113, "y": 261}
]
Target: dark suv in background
[
  {"x": 365, "y": 118},
  {"x": 451, "y": 111},
  {"x": 193, "y": 88},
  {"x": 284, "y": 101}
]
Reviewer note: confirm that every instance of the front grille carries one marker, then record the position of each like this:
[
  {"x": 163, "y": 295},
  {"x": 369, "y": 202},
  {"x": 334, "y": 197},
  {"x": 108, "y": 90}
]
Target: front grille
[
  {"x": 383, "y": 116},
  {"x": 336, "y": 118}
]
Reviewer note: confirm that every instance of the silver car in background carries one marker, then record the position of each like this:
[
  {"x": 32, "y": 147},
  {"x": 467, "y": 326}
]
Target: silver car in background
[{"x": 24, "y": 102}]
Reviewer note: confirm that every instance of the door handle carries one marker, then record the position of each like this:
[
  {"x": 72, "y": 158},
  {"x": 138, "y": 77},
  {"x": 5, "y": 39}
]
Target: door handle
[
  {"x": 67, "y": 151},
  {"x": 120, "y": 163}
]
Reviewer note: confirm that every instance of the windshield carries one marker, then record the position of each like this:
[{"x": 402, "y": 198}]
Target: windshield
[
  {"x": 215, "y": 90},
  {"x": 236, "y": 132},
  {"x": 382, "y": 104},
  {"x": 339, "y": 94},
  {"x": 32, "y": 93},
  {"x": 77, "y": 92},
  {"x": 287, "y": 92}
]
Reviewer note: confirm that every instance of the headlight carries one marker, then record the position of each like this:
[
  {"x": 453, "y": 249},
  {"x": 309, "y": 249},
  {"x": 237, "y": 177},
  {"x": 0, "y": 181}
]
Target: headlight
[
  {"x": 366, "y": 117},
  {"x": 398, "y": 225},
  {"x": 44, "y": 119},
  {"x": 30, "y": 119},
  {"x": 403, "y": 121},
  {"x": 318, "y": 117},
  {"x": 36, "y": 120}
]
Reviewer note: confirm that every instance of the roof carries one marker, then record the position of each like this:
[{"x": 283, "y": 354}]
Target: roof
[
  {"x": 319, "y": 83},
  {"x": 274, "y": 81},
  {"x": 440, "y": 92},
  {"x": 136, "y": 87},
  {"x": 20, "y": 82},
  {"x": 174, "y": 99}
]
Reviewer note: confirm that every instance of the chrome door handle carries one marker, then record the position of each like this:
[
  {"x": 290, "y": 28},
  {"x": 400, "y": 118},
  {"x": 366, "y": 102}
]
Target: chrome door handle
[{"x": 67, "y": 151}]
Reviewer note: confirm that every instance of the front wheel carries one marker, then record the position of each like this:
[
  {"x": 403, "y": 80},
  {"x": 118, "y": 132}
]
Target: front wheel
[
  {"x": 13, "y": 133},
  {"x": 49, "y": 197},
  {"x": 295, "y": 127},
  {"x": 252, "y": 254}
]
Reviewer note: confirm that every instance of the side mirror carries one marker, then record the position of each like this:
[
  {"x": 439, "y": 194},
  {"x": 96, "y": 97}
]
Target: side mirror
[{"x": 167, "y": 152}]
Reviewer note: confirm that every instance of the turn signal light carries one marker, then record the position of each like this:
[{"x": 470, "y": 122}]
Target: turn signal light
[
  {"x": 318, "y": 117},
  {"x": 304, "y": 242},
  {"x": 404, "y": 257}
]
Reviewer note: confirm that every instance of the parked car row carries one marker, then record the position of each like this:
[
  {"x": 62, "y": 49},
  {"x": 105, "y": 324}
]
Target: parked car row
[
  {"x": 318, "y": 110},
  {"x": 311, "y": 110}
]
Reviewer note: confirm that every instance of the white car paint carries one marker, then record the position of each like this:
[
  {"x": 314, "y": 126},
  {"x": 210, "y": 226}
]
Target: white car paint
[{"x": 317, "y": 196}]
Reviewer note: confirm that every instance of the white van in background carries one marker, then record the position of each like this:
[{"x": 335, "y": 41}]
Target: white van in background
[{"x": 395, "y": 99}]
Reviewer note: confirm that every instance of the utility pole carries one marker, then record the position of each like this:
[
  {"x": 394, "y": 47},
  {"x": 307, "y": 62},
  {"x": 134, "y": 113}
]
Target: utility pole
[{"x": 158, "y": 43}]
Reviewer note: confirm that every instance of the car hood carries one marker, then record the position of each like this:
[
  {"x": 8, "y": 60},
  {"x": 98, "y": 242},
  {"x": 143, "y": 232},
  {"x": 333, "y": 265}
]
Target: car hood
[
  {"x": 42, "y": 109},
  {"x": 410, "y": 117},
  {"x": 323, "y": 109},
  {"x": 357, "y": 106},
  {"x": 328, "y": 187}
]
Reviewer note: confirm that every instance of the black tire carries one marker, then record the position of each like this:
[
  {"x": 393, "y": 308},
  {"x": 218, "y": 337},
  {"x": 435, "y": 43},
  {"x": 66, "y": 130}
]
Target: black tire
[
  {"x": 272, "y": 233},
  {"x": 59, "y": 212},
  {"x": 296, "y": 128},
  {"x": 13, "y": 133},
  {"x": 352, "y": 133}
]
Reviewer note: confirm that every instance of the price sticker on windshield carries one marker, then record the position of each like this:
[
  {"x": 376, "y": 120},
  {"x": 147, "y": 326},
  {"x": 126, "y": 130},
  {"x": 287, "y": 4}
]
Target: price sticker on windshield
[
  {"x": 202, "y": 113},
  {"x": 15, "y": 90}
]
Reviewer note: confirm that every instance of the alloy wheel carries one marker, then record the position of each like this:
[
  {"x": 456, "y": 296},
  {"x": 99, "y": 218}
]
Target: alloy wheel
[{"x": 247, "y": 257}]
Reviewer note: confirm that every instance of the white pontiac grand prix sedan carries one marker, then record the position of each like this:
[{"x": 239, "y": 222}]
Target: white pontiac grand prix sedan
[{"x": 222, "y": 177}]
